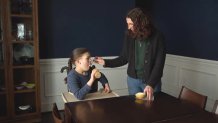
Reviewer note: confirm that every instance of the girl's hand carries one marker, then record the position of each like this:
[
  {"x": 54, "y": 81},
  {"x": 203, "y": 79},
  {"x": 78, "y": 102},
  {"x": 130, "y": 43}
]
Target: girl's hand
[
  {"x": 99, "y": 60},
  {"x": 92, "y": 78},
  {"x": 94, "y": 71},
  {"x": 107, "y": 88}
]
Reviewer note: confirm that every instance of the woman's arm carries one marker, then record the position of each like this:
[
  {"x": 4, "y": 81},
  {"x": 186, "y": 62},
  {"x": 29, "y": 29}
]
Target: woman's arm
[{"x": 159, "y": 62}]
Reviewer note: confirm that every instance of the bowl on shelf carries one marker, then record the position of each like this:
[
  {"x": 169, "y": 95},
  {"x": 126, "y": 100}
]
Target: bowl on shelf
[
  {"x": 30, "y": 86},
  {"x": 24, "y": 83},
  {"x": 24, "y": 107},
  {"x": 19, "y": 87}
]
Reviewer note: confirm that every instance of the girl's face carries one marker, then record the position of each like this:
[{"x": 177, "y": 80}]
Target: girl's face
[
  {"x": 130, "y": 24},
  {"x": 84, "y": 62}
]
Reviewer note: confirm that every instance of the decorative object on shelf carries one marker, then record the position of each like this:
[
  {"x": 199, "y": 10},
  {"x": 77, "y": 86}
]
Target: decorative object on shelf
[
  {"x": 25, "y": 85},
  {"x": 23, "y": 53},
  {"x": 20, "y": 31},
  {"x": 29, "y": 35},
  {"x": 19, "y": 87},
  {"x": 30, "y": 86},
  {"x": 24, "y": 107}
]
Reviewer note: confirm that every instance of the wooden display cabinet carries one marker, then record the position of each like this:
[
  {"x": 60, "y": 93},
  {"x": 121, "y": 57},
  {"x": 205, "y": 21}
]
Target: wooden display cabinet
[{"x": 19, "y": 61}]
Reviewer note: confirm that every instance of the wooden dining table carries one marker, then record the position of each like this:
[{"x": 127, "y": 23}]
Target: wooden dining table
[{"x": 127, "y": 109}]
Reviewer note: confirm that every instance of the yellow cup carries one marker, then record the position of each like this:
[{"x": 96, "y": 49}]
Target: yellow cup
[
  {"x": 140, "y": 95},
  {"x": 97, "y": 75}
]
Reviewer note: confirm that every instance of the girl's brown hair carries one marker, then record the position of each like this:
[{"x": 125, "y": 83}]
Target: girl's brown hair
[
  {"x": 76, "y": 54},
  {"x": 142, "y": 23}
]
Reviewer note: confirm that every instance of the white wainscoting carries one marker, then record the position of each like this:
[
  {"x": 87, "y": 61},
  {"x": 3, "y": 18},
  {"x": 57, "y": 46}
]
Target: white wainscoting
[{"x": 197, "y": 74}]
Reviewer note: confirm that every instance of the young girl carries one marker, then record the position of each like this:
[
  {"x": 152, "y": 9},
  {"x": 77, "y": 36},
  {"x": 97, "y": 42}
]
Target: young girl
[{"x": 81, "y": 79}]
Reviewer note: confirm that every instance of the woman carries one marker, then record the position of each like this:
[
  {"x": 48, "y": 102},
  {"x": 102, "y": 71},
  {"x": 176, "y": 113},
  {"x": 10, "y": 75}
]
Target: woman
[
  {"x": 82, "y": 78},
  {"x": 144, "y": 51}
]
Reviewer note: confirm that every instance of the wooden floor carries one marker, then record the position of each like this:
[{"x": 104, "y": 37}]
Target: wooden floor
[{"x": 47, "y": 117}]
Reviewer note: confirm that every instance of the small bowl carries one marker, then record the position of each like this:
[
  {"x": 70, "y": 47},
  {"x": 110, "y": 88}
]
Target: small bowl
[
  {"x": 24, "y": 107},
  {"x": 19, "y": 87},
  {"x": 30, "y": 86},
  {"x": 24, "y": 83},
  {"x": 140, "y": 95}
]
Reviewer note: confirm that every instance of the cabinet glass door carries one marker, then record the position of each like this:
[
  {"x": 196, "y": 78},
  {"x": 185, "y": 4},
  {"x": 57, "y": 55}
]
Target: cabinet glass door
[
  {"x": 3, "y": 94},
  {"x": 22, "y": 52}
]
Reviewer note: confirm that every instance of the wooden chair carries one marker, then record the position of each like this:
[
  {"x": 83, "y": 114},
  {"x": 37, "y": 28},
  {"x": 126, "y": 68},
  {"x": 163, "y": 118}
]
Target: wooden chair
[
  {"x": 193, "y": 97},
  {"x": 56, "y": 115},
  {"x": 215, "y": 107}
]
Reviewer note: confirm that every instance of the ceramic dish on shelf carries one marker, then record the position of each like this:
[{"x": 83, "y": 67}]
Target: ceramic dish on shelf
[
  {"x": 19, "y": 87},
  {"x": 24, "y": 107},
  {"x": 30, "y": 86},
  {"x": 24, "y": 83},
  {"x": 23, "y": 50}
]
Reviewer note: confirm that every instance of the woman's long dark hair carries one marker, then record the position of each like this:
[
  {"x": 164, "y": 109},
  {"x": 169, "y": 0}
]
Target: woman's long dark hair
[{"x": 142, "y": 24}]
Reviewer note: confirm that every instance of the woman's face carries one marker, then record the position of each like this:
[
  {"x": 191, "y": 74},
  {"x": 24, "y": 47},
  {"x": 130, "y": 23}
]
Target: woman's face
[
  {"x": 130, "y": 24},
  {"x": 84, "y": 62}
]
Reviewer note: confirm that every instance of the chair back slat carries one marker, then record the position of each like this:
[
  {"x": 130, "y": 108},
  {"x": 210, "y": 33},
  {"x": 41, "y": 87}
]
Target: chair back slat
[{"x": 215, "y": 107}]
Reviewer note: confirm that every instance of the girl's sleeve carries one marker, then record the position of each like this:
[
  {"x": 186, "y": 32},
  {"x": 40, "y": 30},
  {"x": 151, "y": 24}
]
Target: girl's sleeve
[{"x": 103, "y": 79}]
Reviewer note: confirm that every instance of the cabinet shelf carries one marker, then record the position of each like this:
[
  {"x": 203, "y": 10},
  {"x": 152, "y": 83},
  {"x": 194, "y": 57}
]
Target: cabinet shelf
[
  {"x": 22, "y": 15},
  {"x": 23, "y": 42},
  {"x": 22, "y": 66},
  {"x": 24, "y": 91}
]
